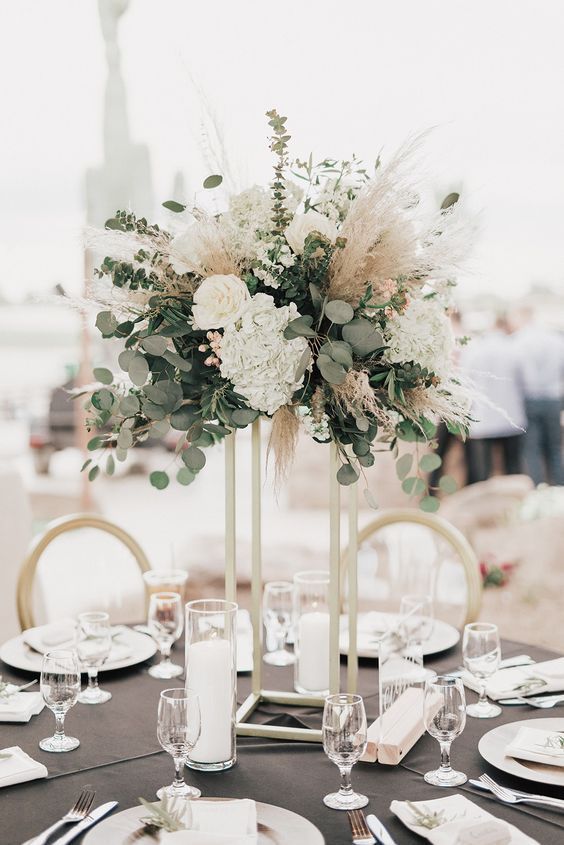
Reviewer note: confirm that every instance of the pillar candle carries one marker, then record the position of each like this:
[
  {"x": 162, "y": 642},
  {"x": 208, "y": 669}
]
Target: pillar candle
[
  {"x": 313, "y": 640},
  {"x": 209, "y": 665}
]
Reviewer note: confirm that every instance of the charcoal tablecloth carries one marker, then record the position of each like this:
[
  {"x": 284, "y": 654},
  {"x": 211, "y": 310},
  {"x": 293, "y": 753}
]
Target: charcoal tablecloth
[{"x": 120, "y": 757}]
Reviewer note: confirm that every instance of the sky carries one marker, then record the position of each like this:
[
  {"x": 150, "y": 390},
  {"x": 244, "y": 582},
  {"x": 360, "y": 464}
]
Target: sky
[{"x": 358, "y": 76}]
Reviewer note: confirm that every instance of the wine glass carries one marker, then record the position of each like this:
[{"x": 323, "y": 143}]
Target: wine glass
[
  {"x": 445, "y": 718},
  {"x": 60, "y": 686},
  {"x": 344, "y": 742},
  {"x": 165, "y": 622},
  {"x": 94, "y": 643},
  {"x": 178, "y": 730},
  {"x": 277, "y": 606},
  {"x": 481, "y": 653},
  {"x": 416, "y": 611}
]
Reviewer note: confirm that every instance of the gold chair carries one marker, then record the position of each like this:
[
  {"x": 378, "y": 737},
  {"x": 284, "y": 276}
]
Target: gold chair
[
  {"x": 58, "y": 527},
  {"x": 408, "y": 551}
]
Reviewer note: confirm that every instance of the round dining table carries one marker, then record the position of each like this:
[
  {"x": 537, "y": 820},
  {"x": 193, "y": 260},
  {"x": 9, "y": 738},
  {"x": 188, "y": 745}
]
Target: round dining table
[{"x": 120, "y": 757}]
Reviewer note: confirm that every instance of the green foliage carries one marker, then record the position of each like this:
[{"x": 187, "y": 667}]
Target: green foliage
[
  {"x": 213, "y": 181},
  {"x": 159, "y": 479},
  {"x": 172, "y": 205},
  {"x": 279, "y": 146}
]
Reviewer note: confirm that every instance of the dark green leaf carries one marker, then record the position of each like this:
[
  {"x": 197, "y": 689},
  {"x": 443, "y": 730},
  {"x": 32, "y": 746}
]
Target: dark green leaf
[
  {"x": 106, "y": 323},
  {"x": 152, "y": 411},
  {"x": 105, "y": 399},
  {"x": 124, "y": 329},
  {"x": 110, "y": 465},
  {"x": 185, "y": 476},
  {"x": 85, "y": 464},
  {"x": 155, "y": 344},
  {"x": 213, "y": 181},
  {"x": 366, "y": 460},
  {"x": 242, "y": 417},
  {"x": 362, "y": 336},
  {"x": 449, "y": 200},
  {"x": 184, "y": 417},
  {"x": 300, "y": 327},
  {"x": 103, "y": 374},
  {"x": 361, "y": 448},
  {"x": 403, "y": 465},
  {"x": 95, "y": 443},
  {"x": 172, "y": 205},
  {"x": 159, "y": 479},
  {"x": 94, "y": 472},
  {"x": 194, "y": 458},
  {"x": 347, "y": 474}
]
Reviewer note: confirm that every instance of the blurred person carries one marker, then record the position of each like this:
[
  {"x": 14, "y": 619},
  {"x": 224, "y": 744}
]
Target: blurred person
[
  {"x": 491, "y": 361},
  {"x": 541, "y": 371},
  {"x": 445, "y": 439}
]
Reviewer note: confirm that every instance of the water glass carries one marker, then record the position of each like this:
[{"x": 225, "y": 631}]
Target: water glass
[
  {"x": 344, "y": 742},
  {"x": 481, "y": 653},
  {"x": 277, "y": 610},
  {"x": 93, "y": 645},
  {"x": 60, "y": 686},
  {"x": 165, "y": 581},
  {"x": 178, "y": 729},
  {"x": 417, "y": 615},
  {"x": 445, "y": 718},
  {"x": 166, "y": 623}
]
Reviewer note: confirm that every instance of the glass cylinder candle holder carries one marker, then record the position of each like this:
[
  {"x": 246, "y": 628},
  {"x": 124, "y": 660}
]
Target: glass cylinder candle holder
[
  {"x": 211, "y": 672},
  {"x": 311, "y": 625}
]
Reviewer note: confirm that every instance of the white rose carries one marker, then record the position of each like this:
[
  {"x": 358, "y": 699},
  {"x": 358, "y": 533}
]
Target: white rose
[
  {"x": 303, "y": 225},
  {"x": 186, "y": 250},
  {"x": 218, "y": 301}
]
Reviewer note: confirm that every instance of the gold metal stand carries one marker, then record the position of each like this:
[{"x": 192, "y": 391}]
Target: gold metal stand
[{"x": 258, "y": 694}]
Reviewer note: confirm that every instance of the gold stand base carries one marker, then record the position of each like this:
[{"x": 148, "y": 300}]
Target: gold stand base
[{"x": 294, "y": 699}]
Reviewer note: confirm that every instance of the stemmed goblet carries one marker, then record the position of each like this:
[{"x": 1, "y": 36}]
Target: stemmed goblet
[
  {"x": 481, "y": 654},
  {"x": 344, "y": 742},
  {"x": 277, "y": 608},
  {"x": 60, "y": 686},
  {"x": 94, "y": 643},
  {"x": 445, "y": 718},
  {"x": 178, "y": 730},
  {"x": 166, "y": 623}
]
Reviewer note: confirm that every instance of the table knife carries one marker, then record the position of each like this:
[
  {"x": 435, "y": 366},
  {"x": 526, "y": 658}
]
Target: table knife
[
  {"x": 379, "y": 831},
  {"x": 93, "y": 817}
]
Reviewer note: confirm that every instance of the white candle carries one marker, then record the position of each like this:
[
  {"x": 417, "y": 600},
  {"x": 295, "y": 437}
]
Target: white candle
[
  {"x": 313, "y": 644},
  {"x": 209, "y": 666}
]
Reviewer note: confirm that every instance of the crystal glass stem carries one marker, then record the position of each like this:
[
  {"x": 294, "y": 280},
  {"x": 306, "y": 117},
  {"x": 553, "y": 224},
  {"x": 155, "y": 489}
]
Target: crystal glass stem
[
  {"x": 445, "y": 769},
  {"x": 345, "y": 790},
  {"x": 59, "y": 726},
  {"x": 93, "y": 681}
]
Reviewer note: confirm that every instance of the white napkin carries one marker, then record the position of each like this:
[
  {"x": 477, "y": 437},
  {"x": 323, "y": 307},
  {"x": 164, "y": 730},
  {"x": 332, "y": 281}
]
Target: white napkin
[
  {"x": 533, "y": 744},
  {"x": 460, "y": 814},
  {"x": 21, "y": 706},
  {"x": 62, "y": 635},
  {"x": 19, "y": 767},
  {"x": 506, "y": 683},
  {"x": 218, "y": 823}
]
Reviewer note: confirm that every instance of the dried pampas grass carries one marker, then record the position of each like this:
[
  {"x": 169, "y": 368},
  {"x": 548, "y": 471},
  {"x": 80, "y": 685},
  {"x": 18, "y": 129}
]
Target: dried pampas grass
[
  {"x": 389, "y": 233},
  {"x": 283, "y": 441},
  {"x": 211, "y": 254},
  {"x": 356, "y": 396}
]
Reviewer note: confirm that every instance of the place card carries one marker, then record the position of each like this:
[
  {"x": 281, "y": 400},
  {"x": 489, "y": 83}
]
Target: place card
[{"x": 538, "y": 746}]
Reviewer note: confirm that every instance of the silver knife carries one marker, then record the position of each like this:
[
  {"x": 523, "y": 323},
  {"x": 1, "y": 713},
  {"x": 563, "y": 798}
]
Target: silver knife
[
  {"x": 93, "y": 817},
  {"x": 379, "y": 831}
]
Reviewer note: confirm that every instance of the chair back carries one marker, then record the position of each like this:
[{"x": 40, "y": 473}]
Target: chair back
[
  {"x": 406, "y": 551},
  {"x": 82, "y": 562},
  {"x": 16, "y": 534}
]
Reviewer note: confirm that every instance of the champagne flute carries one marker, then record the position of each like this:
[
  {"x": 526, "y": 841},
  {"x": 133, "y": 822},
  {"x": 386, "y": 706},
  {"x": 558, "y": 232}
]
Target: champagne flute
[
  {"x": 60, "y": 686},
  {"x": 94, "y": 643},
  {"x": 445, "y": 718},
  {"x": 344, "y": 742},
  {"x": 277, "y": 608},
  {"x": 178, "y": 730},
  {"x": 166, "y": 623},
  {"x": 481, "y": 653}
]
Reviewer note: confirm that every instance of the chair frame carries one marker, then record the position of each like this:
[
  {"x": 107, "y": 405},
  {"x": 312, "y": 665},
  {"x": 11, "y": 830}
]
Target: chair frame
[
  {"x": 24, "y": 590},
  {"x": 440, "y": 526}
]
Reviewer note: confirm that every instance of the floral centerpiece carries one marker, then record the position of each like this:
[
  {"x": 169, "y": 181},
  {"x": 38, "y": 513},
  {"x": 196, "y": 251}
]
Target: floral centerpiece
[{"x": 319, "y": 302}]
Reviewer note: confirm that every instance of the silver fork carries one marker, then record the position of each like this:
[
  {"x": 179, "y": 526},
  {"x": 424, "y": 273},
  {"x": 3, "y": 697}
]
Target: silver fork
[
  {"x": 76, "y": 813},
  {"x": 510, "y": 797},
  {"x": 360, "y": 831}
]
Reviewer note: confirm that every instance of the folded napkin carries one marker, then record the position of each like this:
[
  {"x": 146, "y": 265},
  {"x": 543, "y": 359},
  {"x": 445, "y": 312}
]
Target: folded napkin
[
  {"x": 460, "y": 817},
  {"x": 538, "y": 746},
  {"x": 218, "y": 823},
  {"x": 62, "y": 634},
  {"x": 18, "y": 767},
  {"x": 522, "y": 680},
  {"x": 21, "y": 706}
]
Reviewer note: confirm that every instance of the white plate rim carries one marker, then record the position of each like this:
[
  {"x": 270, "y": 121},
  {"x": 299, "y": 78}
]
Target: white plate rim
[
  {"x": 515, "y": 767},
  {"x": 314, "y": 835},
  {"x": 450, "y": 633},
  {"x": 26, "y": 659}
]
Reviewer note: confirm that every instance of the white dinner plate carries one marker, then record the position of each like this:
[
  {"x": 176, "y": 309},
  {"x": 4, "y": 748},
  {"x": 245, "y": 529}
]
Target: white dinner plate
[
  {"x": 444, "y": 636},
  {"x": 17, "y": 653},
  {"x": 276, "y": 826},
  {"x": 493, "y": 744}
]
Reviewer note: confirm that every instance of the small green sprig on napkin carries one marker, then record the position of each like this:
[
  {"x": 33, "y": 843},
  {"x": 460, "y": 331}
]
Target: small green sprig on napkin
[
  {"x": 5, "y": 755},
  {"x": 425, "y": 818},
  {"x": 555, "y": 743},
  {"x": 6, "y": 689},
  {"x": 163, "y": 815}
]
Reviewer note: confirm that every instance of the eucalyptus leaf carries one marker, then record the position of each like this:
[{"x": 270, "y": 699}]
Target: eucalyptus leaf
[
  {"x": 370, "y": 499},
  {"x": 449, "y": 200},
  {"x": 213, "y": 181},
  {"x": 316, "y": 296},
  {"x": 303, "y": 364},
  {"x": 347, "y": 474},
  {"x": 429, "y": 504},
  {"x": 177, "y": 361},
  {"x": 138, "y": 369},
  {"x": 339, "y": 311},
  {"x": 94, "y": 472},
  {"x": 194, "y": 458},
  {"x": 152, "y": 411},
  {"x": 366, "y": 460},
  {"x": 159, "y": 479},
  {"x": 110, "y": 465},
  {"x": 428, "y": 463},
  {"x": 362, "y": 424},
  {"x": 413, "y": 486},
  {"x": 121, "y": 454},
  {"x": 124, "y": 329},
  {"x": 300, "y": 327},
  {"x": 331, "y": 371},
  {"x": 155, "y": 344},
  {"x": 106, "y": 399},
  {"x": 361, "y": 448},
  {"x": 185, "y": 476},
  {"x": 242, "y": 417},
  {"x": 158, "y": 429},
  {"x": 362, "y": 336},
  {"x": 95, "y": 443},
  {"x": 85, "y": 464},
  {"x": 448, "y": 484},
  {"x": 403, "y": 465},
  {"x": 184, "y": 417},
  {"x": 124, "y": 358},
  {"x": 103, "y": 374},
  {"x": 106, "y": 323},
  {"x": 172, "y": 205},
  {"x": 125, "y": 439}
]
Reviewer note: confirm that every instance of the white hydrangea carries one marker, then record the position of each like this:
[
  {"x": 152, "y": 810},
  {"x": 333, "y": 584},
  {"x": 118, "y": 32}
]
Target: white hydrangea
[
  {"x": 422, "y": 334},
  {"x": 257, "y": 358},
  {"x": 315, "y": 428}
]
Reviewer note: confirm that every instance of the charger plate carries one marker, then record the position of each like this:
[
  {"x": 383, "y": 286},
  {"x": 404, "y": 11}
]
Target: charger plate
[
  {"x": 493, "y": 744},
  {"x": 276, "y": 826},
  {"x": 443, "y": 637}
]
